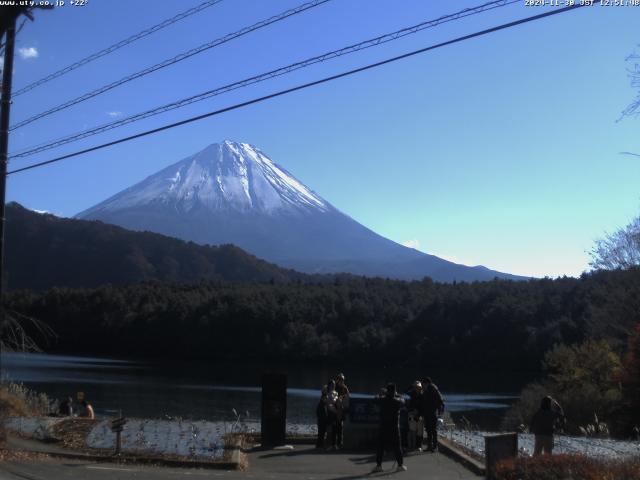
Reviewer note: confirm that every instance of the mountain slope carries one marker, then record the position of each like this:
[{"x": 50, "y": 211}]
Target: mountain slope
[
  {"x": 233, "y": 193},
  {"x": 44, "y": 251}
]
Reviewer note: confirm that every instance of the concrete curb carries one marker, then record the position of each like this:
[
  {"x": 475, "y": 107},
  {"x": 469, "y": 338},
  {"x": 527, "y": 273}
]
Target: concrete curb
[
  {"x": 237, "y": 459},
  {"x": 454, "y": 452},
  {"x": 128, "y": 460}
]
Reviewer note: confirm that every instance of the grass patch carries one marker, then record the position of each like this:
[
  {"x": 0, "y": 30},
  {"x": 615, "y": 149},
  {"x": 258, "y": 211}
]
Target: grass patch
[{"x": 17, "y": 456}]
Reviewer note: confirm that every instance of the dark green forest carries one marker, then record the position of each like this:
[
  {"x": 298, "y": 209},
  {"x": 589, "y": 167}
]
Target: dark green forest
[{"x": 503, "y": 325}]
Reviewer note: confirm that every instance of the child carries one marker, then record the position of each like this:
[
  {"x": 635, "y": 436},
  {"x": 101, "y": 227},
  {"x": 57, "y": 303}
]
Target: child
[
  {"x": 413, "y": 431},
  {"x": 420, "y": 433}
]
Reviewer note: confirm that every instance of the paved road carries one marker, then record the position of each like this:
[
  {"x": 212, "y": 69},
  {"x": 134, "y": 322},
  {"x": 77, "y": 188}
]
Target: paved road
[{"x": 301, "y": 463}]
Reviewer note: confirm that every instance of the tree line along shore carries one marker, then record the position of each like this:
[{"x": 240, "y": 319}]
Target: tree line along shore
[{"x": 501, "y": 324}]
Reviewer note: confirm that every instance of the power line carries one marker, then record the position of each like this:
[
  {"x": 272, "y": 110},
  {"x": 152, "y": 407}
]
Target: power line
[
  {"x": 178, "y": 58},
  {"x": 117, "y": 46},
  {"x": 265, "y": 76},
  {"x": 302, "y": 87}
]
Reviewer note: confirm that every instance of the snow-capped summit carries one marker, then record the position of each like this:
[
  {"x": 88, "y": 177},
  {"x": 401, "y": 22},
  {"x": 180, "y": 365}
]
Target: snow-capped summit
[
  {"x": 233, "y": 193},
  {"x": 223, "y": 176}
]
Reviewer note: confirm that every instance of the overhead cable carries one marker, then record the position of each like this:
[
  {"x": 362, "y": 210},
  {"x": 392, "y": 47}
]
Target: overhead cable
[
  {"x": 302, "y": 87},
  {"x": 171, "y": 61},
  {"x": 116, "y": 46},
  {"x": 379, "y": 40}
]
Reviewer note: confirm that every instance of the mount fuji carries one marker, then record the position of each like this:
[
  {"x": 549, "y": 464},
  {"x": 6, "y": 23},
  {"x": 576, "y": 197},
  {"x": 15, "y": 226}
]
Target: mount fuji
[{"x": 233, "y": 193}]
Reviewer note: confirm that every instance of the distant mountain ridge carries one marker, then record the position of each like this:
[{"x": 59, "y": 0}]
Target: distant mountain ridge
[
  {"x": 43, "y": 251},
  {"x": 232, "y": 193}
]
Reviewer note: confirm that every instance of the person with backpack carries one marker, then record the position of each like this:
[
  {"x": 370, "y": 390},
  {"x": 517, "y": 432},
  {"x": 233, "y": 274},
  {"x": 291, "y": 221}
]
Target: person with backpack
[
  {"x": 544, "y": 423},
  {"x": 433, "y": 405}
]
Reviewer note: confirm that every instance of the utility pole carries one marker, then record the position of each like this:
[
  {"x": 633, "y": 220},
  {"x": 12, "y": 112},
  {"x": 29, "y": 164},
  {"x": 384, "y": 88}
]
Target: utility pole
[
  {"x": 5, "y": 107},
  {"x": 8, "y": 30}
]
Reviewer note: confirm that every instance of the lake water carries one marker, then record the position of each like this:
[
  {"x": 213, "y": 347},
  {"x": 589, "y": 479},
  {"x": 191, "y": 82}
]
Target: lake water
[{"x": 200, "y": 390}]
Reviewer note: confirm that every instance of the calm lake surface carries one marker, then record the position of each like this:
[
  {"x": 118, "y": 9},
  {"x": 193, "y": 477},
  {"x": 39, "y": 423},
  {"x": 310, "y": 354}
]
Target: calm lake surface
[{"x": 199, "y": 390}]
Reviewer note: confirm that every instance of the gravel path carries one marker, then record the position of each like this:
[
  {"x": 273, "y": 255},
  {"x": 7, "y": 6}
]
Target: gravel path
[{"x": 591, "y": 447}]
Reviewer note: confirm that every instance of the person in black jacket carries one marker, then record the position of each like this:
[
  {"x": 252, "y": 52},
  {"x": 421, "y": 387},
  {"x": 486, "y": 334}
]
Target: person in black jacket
[
  {"x": 66, "y": 407},
  {"x": 433, "y": 404},
  {"x": 390, "y": 406},
  {"x": 543, "y": 425},
  {"x": 322, "y": 418},
  {"x": 333, "y": 407},
  {"x": 343, "y": 407}
]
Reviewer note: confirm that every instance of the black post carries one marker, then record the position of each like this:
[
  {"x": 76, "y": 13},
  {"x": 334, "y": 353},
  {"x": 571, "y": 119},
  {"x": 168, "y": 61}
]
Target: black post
[
  {"x": 118, "y": 441},
  {"x": 274, "y": 409},
  {"x": 117, "y": 425},
  {"x": 5, "y": 106}
]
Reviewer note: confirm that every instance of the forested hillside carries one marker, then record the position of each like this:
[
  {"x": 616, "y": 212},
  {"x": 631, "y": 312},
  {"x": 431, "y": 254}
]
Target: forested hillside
[{"x": 43, "y": 251}]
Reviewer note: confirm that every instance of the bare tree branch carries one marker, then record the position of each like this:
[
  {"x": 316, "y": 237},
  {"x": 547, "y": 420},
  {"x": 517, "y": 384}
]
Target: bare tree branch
[
  {"x": 633, "y": 71},
  {"x": 17, "y": 330},
  {"x": 620, "y": 249}
]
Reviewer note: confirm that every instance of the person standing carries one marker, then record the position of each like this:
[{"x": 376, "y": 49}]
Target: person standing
[
  {"x": 433, "y": 405},
  {"x": 322, "y": 418},
  {"x": 343, "y": 406},
  {"x": 332, "y": 413},
  {"x": 415, "y": 408},
  {"x": 389, "y": 432},
  {"x": 543, "y": 425}
]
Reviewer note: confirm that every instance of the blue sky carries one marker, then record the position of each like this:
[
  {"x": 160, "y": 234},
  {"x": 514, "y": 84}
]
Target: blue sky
[{"x": 502, "y": 150}]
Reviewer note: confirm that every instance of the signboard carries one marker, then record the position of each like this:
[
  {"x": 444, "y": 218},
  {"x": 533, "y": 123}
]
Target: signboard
[
  {"x": 499, "y": 447},
  {"x": 364, "y": 410},
  {"x": 117, "y": 425},
  {"x": 274, "y": 408},
  {"x": 80, "y": 396}
]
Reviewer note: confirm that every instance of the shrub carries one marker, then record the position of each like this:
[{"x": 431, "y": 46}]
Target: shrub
[
  {"x": 521, "y": 412},
  {"x": 597, "y": 429},
  {"x": 11, "y": 405},
  {"x": 19, "y": 400},
  {"x": 584, "y": 379},
  {"x": 563, "y": 467},
  {"x": 16, "y": 400},
  {"x": 631, "y": 378}
]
